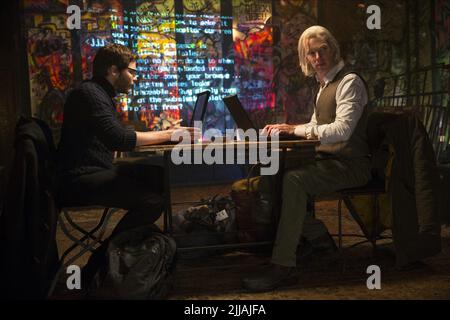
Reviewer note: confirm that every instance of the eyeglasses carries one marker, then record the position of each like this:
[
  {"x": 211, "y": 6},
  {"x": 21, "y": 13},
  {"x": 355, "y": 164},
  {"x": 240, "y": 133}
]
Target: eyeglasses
[
  {"x": 132, "y": 71},
  {"x": 321, "y": 51}
]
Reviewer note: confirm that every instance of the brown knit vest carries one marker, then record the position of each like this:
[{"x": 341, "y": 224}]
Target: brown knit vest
[{"x": 325, "y": 110}]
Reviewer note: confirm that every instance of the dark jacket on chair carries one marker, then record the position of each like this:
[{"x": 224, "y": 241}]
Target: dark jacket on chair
[
  {"x": 28, "y": 221},
  {"x": 413, "y": 185}
]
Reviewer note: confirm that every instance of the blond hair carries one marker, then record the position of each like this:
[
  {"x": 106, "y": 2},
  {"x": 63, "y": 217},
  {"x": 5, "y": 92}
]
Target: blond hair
[{"x": 303, "y": 47}]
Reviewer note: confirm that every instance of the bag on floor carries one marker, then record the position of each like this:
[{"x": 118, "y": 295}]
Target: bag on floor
[
  {"x": 212, "y": 214},
  {"x": 211, "y": 221},
  {"x": 253, "y": 211},
  {"x": 138, "y": 265}
]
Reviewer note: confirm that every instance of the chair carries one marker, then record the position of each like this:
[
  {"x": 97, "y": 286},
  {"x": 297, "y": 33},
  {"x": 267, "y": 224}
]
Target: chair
[
  {"x": 88, "y": 240},
  {"x": 375, "y": 188},
  {"x": 39, "y": 219},
  {"x": 424, "y": 92}
]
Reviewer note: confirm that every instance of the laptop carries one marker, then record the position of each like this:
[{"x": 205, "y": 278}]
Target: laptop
[
  {"x": 242, "y": 119},
  {"x": 197, "y": 115},
  {"x": 200, "y": 107}
]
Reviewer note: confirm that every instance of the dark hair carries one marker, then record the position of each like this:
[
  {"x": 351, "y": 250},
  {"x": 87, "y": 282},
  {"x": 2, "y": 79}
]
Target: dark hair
[{"x": 112, "y": 54}]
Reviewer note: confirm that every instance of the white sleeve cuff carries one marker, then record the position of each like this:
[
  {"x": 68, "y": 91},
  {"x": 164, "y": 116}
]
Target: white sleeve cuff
[
  {"x": 300, "y": 131},
  {"x": 312, "y": 133},
  {"x": 315, "y": 130}
]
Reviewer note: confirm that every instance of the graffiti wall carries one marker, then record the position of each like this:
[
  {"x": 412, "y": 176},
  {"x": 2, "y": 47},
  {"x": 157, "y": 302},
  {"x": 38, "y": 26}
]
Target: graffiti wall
[
  {"x": 242, "y": 47},
  {"x": 376, "y": 53},
  {"x": 293, "y": 95},
  {"x": 50, "y": 65}
]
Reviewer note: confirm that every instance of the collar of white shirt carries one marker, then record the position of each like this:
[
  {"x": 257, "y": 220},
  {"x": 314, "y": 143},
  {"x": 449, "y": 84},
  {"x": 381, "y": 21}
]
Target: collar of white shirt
[{"x": 332, "y": 73}]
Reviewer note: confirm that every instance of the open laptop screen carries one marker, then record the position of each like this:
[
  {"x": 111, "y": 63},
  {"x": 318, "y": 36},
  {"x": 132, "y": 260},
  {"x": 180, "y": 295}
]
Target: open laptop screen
[
  {"x": 200, "y": 107},
  {"x": 242, "y": 119},
  {"x": 238, "y": 113}
]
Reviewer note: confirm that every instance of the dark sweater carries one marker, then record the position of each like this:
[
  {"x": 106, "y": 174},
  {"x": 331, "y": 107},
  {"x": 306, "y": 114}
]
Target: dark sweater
[{"x": 91, "y": 130}]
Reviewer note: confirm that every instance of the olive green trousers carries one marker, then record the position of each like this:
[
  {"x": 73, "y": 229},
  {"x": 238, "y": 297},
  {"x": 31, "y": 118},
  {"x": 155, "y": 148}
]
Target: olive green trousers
[{"x": 323, "y": 177}]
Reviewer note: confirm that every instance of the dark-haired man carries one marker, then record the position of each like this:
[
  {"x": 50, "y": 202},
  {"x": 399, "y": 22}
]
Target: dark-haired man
[{"x": 91, "y": 133}]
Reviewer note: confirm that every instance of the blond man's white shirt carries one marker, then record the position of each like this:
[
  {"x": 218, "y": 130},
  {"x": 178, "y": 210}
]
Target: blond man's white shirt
[{"x": 351, "y": 97}]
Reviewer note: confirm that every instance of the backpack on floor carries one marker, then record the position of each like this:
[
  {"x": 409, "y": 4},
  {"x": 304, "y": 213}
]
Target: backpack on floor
[{"x": 138, "y": 265}]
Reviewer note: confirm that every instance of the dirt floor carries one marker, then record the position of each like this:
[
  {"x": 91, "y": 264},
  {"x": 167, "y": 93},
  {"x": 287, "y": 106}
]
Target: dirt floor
[{"x": 210, "y": 275}]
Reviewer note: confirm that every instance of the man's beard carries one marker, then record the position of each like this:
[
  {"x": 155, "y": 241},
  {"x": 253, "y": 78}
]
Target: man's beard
[{"x": 122, "y": 85}]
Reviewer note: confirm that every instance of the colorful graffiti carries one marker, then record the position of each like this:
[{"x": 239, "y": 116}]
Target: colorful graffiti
[
  {"x": 244, "y": 47},
  {"x": 156, "y": 46},
  {"x": 50, "y": 66},
  {"x": 293, "y": 94},
  {"x": 253, "y": 56},
  {"x": 180, "y": 54},
  {"x": 202, "y": 30},
  {"x": 98, "y": 26}
]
